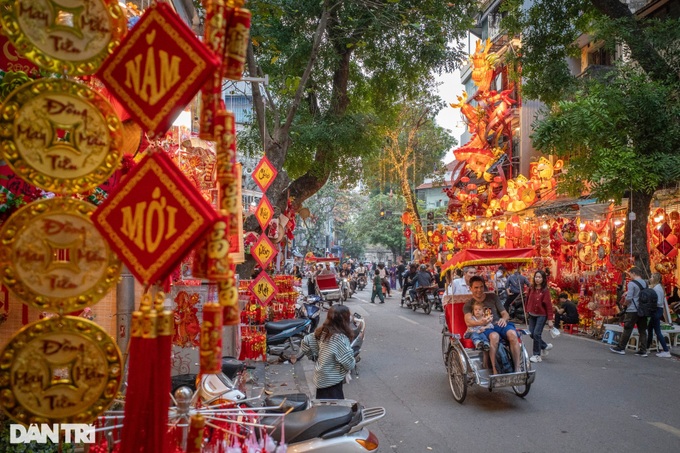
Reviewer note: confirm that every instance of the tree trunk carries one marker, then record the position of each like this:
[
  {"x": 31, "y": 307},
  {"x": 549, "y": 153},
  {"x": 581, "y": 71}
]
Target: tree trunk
[{"x": 636, "y": 230}]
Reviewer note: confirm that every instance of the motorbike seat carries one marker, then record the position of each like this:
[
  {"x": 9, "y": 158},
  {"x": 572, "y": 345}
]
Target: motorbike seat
[
  {"x": 296, "y": 401},
  {"x": 275, "y": 327},
  {"x": 232, "y": 366},
  {"x": 313, "y": 422}
]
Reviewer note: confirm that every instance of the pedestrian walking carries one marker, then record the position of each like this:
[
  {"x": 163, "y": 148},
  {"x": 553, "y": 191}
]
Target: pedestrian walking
[
  {"x": 377, "y": 288},
  {"x": 330, "y": 347},
  {"x": 540, "y": 310},
  {"x": 655, "y": 320},
  {"x": 631, "y": 317},
  {"x": 401, "y": 268}
]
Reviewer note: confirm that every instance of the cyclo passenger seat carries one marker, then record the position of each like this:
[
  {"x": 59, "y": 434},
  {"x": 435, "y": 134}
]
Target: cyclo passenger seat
[{"x": 455, "y": 322}]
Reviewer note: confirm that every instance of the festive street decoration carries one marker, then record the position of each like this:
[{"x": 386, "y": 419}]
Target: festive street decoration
[
  {"x": 264, "y": 213},
  {"x": 13, "y": 62},
  {"x": 148, "y": 393},
  {"x": 187, "y": 328},
  {"x": 154, "y": 219},
  {"x": 236, "y": 44},
  {"x": 59, "y": 370},
  {"x": 158, "y": 68},
  {"x": 211, "y": 339},
  {"x": 60, "y": 135},
  {"x": 264, "y": 251},
  {"x": 264, "y": 174},
  {"x": 484, "y": 188},
  {"x": 54, "y": 259},
  {"x": 263, "y": 288},
  {"x": 72, "y": 39}
]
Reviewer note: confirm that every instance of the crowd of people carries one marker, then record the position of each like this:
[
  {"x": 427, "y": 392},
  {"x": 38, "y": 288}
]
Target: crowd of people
[{"x": 494, "y": 296}]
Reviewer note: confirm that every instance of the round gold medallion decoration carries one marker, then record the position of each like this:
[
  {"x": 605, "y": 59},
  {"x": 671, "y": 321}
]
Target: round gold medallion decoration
[
  {"x": 59, "y": 370},
  {"x": 60, "y": 135},
  {"x": 54, "y": 259},
  {"x": 65, "y": 36}
]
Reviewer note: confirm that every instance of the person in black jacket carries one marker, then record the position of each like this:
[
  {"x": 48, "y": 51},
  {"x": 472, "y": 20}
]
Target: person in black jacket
[
  {"x": 409, "y": 276},
  {"x": 565, "y": 311},
  {"x": 400, "y": 274}
]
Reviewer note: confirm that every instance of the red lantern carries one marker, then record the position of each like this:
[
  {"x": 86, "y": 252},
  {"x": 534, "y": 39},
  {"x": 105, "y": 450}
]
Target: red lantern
[{"x": 465, "y": 179}]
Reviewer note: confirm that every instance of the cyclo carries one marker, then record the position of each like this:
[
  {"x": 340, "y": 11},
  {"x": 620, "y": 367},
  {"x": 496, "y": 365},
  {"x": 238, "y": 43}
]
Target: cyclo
[{"x": 465, "y": 365}]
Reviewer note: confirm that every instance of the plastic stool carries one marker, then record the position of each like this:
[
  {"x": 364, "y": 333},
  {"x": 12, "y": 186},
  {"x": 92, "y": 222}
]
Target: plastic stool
[
  {"x": 610, "y": 337},
  {"x": 633, "y": 343},
  {"x": 571, "y": 328},
  {"x": 657, "y": 345}
]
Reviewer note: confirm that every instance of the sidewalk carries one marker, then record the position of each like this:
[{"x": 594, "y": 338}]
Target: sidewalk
[{"x": 284, "y": 378}]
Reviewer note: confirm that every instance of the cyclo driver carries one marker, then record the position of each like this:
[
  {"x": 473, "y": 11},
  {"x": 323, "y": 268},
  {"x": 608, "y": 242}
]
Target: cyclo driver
[{"x": 499, "y": 318}]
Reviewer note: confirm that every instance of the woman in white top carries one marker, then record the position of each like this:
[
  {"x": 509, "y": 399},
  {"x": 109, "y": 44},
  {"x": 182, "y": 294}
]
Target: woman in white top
[{"x": 655, "y": 320}]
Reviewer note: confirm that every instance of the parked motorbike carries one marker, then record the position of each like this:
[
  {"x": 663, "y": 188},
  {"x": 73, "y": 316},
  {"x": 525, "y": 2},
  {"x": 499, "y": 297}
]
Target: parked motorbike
[
  {"x": 309, "y": 308},
  {"x": 323, "y": 426},
  {"x": 424, "y": 298},
  {"x": 284, "y": 337}
]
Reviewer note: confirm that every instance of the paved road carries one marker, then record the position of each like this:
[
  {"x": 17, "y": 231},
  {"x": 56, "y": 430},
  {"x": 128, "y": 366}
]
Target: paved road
[{"x": 584, "y": 398}]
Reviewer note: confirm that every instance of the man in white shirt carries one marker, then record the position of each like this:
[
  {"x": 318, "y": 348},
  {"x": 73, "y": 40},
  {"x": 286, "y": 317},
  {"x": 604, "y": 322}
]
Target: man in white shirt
[{"x": 461, "y": 286}]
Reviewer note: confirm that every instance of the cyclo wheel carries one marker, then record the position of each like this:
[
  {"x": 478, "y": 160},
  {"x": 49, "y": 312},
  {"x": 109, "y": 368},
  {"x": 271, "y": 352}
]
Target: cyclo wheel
[
  {"x": 445, "y": 345},
  {"x": 457, "y": 371},
  {"x": 525, "y": 365}
]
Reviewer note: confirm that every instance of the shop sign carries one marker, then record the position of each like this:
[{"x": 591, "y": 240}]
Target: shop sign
[
  {"x": 264, "y": 174},
  {"x": 155, "y": 218},
  {"x": 263, "y": 251},
  {"x": 158, "y": 68},
  {"x": 263, "y": 288}
]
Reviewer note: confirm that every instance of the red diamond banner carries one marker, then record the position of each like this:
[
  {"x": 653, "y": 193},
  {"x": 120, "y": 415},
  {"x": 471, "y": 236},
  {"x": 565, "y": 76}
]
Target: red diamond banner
[
  {"x": 263, "y": 251},
  {"x": 665, "y": 247},
  {"x": 264, "y": 174},
  {"x": 263, "y": 288},
  {"x": 264, "y": 213},
  {"x": 158, "y": 68},
  {"x": 153, "y": 218}
]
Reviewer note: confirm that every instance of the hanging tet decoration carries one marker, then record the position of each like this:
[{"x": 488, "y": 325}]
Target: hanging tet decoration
[
  {"x": 263, "y": 251},
  {"x": 263, "y": 288},
  {"x": 157, "y": 69},
  {"x": 153, "y": 219}
]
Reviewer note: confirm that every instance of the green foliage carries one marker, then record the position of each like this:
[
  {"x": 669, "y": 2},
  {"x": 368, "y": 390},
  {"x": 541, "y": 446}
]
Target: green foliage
[
  {"x": 387, "y": 231},
  {"x": 330, "y": 205},
  {"x": 385, "y": 51},
  {"x": 619, "y": 132},
  {"x": 549, "y": 33}
]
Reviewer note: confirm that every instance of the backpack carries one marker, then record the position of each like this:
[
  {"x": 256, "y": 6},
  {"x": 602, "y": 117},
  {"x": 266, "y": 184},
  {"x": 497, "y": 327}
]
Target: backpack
[
  {"x": 647, "y": 300},
  {"x": 503, "y": 360}
]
